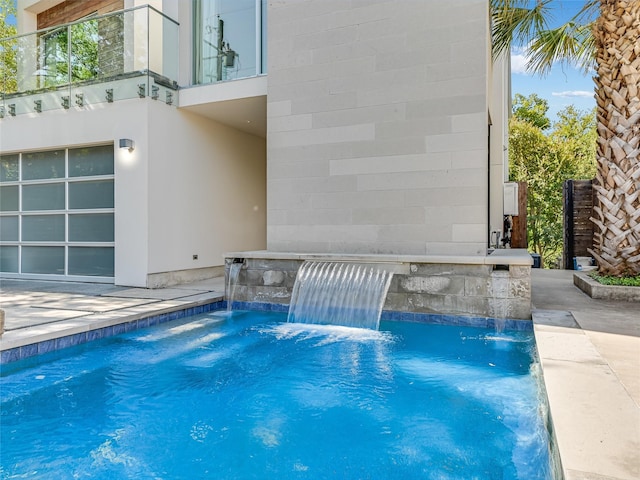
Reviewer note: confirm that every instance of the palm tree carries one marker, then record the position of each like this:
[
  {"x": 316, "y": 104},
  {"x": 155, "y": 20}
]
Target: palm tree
[{"x": 605, "y": 34}]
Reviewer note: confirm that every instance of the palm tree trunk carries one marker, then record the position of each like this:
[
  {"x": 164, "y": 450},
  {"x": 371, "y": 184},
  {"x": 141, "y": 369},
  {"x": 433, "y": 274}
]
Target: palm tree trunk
[{"x": 617, "y": 186}]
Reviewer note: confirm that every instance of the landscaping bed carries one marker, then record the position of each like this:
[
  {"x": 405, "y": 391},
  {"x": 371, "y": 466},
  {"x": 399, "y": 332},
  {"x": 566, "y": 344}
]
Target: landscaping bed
[{"x": 595, "y": 289}]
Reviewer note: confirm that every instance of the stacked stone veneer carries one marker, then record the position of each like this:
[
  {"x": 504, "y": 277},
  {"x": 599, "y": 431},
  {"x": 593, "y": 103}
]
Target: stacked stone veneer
[{"x": 486, "y": 290}]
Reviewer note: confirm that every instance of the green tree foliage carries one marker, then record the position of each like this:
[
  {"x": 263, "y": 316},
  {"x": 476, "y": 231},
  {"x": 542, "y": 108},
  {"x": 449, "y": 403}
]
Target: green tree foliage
[
  {"x": 575, "y": 136},
  {"x": 532, "y": 109},
  {"x": 84, "y": 52},
  {"x": 545, "y": 161},
  {"x": 55, "y": 52},
  {"x": 82, "y": 56},
  {"x": 8, "y": 66}
]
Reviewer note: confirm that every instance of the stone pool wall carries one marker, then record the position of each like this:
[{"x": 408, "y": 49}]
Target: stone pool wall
[{"x": 493, "y": 286}]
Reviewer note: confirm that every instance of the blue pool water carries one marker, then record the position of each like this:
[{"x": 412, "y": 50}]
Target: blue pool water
[{"x": 251, "y": 396}]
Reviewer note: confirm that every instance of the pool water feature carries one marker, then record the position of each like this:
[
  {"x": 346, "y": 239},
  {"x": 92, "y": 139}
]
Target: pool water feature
[
  {"x": 337, "y": 293},
  {"x": 234, "y": 274},
  {"x": 253, "y": 396}
]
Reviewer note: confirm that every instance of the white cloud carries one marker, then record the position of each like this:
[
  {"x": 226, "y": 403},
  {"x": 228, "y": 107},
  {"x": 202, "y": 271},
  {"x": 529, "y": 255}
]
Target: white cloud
[
  {"x": 573, "y": 93},
  {"x": 518, "y": 61},
  {"x": 518, "y": 64}
]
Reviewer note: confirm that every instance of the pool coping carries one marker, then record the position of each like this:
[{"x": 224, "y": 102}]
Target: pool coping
[
  {"x": 501, "y": 256},
  {"x": 594, "y": 420},
  {"x": 27, "y": 342}
]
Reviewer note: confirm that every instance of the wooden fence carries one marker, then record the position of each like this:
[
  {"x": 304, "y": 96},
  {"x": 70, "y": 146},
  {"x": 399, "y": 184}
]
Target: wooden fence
[
  {"x": 577, "y": 228},
  {"x": 519, "y": 227}
]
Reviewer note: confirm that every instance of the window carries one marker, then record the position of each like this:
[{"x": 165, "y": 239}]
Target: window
[{"x": 230, "y": 39}]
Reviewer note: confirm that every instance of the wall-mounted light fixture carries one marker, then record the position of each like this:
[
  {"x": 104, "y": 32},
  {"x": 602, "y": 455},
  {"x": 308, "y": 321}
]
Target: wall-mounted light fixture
[{"x": 127, "y": 143}]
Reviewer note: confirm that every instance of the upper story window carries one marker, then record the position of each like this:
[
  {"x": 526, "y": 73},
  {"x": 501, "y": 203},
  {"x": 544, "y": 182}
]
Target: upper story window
[{"x": 229, "y": 39}]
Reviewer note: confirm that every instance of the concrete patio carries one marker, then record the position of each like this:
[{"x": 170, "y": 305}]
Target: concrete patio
[{"x": 589, "y": 351}]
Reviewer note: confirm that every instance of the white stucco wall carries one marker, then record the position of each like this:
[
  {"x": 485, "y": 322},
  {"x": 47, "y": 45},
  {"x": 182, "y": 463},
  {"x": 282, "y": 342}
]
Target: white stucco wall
[
  {"x": 377, "y": 127},
  {"x": 207, "y": 191},
  {"x": 191, "y": 186}
]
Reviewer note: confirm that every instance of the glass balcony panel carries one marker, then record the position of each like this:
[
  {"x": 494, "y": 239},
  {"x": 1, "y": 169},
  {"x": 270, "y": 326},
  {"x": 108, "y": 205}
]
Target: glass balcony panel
[
  {"x": 54, "y": 57},
  {"x": 30, "y": 72},
  {"x": 56, "y": 99},
  {"x": 9, "y": 171},
  {"x": 8, "y": 56},
  {"x": 34, "y": 61},
  {"x": 9, "y": 228},
  {"x": 163, "y": 51},
  {"x": 158, "y": 90},
  {"x": 19, "y": 104},
  {"x": 37, "y": 62},
  {"x": 136, "y": 41},
  {"x": 109, "y": 58},
  {"x": 95, "y": 227},
  {"x": 107, "y": 91},
  {"x": 48, "y": 260},
  {"x": 170, "y": 48},
  {"x": 43, "y": 228},
  {"x": 43, "y": 165},
  {"x": 9, "y": 198},
  {"x": 94, "y": 194},
  {"x": 99, "y": 60},
  {"x": 9, "y": 259},
  {"x": 91, "y": 261},
  {"x": 163, "y": 58},
  {"x": 90, "y": 161},
  {"x": 85, "y": 54},
  {"x": 47, "y": 196}
]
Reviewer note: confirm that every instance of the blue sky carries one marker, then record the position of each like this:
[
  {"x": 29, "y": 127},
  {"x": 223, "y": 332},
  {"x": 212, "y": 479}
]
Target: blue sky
[
  {"x": 11, "y": 20},
  {"x": 564, "y": 85}
]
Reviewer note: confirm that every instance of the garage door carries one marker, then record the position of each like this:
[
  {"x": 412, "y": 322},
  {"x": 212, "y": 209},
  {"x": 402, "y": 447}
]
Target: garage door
[{"x": 57, "y": 214}]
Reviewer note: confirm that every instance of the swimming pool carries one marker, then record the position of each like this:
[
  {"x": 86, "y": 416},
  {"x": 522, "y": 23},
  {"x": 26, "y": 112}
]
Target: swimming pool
[{"x": 251, "y": 396}]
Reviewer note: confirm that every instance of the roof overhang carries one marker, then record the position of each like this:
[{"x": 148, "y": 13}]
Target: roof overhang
[{"x": 241, "y": 104}]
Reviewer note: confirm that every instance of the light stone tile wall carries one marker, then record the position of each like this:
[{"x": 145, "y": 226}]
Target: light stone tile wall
[
  {"x": 377, "y": 127},
  {"x": 443, "y": 288}
]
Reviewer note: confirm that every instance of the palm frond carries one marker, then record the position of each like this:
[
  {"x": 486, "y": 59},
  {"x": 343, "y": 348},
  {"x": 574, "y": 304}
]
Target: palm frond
[
  {"x": 588, "y": 13},
  {"x": 571, "y": 43},
  {"x": 513, "y": 22}
]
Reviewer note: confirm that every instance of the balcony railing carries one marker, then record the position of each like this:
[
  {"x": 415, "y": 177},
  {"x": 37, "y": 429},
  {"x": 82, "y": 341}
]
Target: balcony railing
[{"x": 101, "y": 59}]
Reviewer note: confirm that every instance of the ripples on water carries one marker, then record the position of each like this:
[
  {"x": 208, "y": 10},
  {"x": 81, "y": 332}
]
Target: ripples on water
[{"x": 251, "y": 396}]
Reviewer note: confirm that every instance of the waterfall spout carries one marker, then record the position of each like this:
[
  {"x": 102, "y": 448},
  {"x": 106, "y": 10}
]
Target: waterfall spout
[
  {"x": 345, "y": 294},
  {"x": 234, "y": 273}
]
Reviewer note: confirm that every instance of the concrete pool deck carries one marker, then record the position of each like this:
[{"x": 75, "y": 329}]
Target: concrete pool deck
[
  {"x": 590, "y": 355},
  {"x": 589, "y": 351},
  {"x": 37, "y": 311}
]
